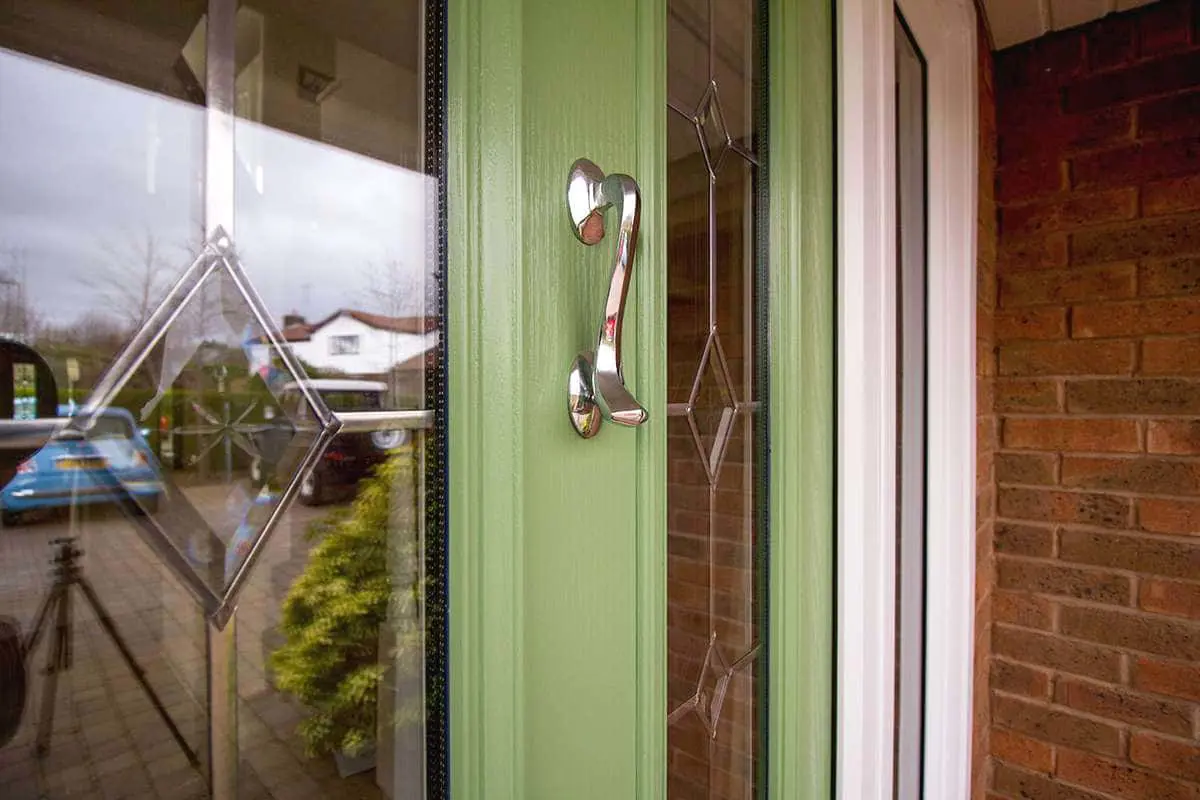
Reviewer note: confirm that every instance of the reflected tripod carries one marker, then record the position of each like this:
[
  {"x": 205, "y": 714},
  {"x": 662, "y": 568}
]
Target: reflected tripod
[{"x": 68, "y": 573}]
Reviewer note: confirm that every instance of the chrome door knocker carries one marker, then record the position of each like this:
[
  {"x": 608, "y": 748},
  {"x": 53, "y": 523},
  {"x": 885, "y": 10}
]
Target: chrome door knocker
[{"x": 596, "y": 385}]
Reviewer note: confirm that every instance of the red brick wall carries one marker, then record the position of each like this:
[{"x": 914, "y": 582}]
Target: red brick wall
[
  {"x": 1095, "y": 665},
  {"x": 985, "y": 485}
]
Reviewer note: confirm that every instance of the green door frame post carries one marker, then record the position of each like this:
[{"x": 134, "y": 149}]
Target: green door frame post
[
  {"x": 802, "y": 390},
  {"x": 558, "y": 545}
]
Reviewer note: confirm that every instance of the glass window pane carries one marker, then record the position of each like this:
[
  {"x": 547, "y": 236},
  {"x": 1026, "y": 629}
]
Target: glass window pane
[
  {"x": 687, "y": 52},
  {"x": 101, "y": 156},
  {"x": 335, "y": 209},
  {"x": 207, "y": 347},
  {"x": 716, "y": 492}
]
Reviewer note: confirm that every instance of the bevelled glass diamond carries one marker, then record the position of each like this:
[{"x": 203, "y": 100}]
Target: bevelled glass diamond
[
  {"x": 710, "y": 126},
  {"x": 234, "y": 419}
]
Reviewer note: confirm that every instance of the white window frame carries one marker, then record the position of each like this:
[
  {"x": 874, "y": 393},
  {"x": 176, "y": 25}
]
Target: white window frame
[
  {"x": 866, "y": 502},
  {"x": 342, "y": 339}
]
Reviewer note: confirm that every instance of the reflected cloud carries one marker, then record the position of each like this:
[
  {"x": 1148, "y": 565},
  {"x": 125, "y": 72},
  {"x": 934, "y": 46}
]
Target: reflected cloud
[{"x": 102, "y": 161}]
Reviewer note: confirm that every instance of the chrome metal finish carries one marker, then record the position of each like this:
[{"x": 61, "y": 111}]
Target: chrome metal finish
[
  {"x": 221, "y": 92},
  {"x": 581, "y": 397},
  {"x": 596, "y": 383},
  {"x": 29, "y": 434},
  {"x": 222, "y": 711},
  {"x": 219, "y": 199},
  {"x": 371, "y": 421}
]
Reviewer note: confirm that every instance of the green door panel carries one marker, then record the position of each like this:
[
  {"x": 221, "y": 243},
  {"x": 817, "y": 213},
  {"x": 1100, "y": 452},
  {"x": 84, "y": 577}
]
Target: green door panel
[
  {"x": 558, "y": 609},
  {"x": 579, "y": 655},
  {"x": 548, "y": 659}
]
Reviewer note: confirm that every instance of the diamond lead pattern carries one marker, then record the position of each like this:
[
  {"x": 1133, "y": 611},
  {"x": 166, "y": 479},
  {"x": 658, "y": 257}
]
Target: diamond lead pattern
[
  {"x": 712, "y": 688},
  {"x": 714, "y": 629},
  {"x": 709, "y": 120},
  {"x": 228, "y": 392},
  {"x": 712, "y": 407}
]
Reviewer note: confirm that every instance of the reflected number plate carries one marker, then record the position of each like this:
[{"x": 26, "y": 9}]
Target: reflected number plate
[{"x": 83, "y": 462}]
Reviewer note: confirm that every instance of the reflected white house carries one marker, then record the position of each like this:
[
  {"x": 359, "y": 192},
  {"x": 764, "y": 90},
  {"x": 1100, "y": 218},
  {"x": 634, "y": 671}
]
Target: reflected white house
[{"x": 359, "y": 343}]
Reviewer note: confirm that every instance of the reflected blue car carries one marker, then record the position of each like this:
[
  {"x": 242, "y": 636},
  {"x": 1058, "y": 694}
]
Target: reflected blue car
[{"x": 109, "y": 466}]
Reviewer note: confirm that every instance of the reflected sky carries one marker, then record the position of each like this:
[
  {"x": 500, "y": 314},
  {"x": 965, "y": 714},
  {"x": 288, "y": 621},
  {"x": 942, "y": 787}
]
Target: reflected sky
[{"x": 90, "y": 169}]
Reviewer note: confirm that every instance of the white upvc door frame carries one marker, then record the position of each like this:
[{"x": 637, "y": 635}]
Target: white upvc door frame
[{"x": 867, "y": 318}]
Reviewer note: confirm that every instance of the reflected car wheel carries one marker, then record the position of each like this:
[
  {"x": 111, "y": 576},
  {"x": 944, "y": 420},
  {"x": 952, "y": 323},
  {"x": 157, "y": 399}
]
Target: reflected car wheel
[
  {"x": 256, "y": 473},
  {"x": 10, "y": 519},
  {"x": 389, "y": 440},
  {"x": 311, "y": 490}
]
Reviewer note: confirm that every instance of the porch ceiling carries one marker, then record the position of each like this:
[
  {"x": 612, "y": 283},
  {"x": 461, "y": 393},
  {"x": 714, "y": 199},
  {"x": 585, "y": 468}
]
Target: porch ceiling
[{"x": 1016, "y": 21}]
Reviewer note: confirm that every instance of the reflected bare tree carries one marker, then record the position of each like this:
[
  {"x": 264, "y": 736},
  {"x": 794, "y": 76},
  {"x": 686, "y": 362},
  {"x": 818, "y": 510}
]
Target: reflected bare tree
[
  {"x": 17, "y": 316},
  {"x": 396, "y": 290},
  {"x": 91, "y": 340},
  {"x": 137, "y": 273},
  {"x": 92, "y": 328},
  {"x": 202, "y": 321}
]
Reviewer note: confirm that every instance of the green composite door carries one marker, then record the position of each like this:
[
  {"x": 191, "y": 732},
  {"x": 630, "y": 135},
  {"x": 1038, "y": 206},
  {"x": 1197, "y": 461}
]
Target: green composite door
[
  {"x": 586, "y": 574},
  {"x": 223, "y": 207}
]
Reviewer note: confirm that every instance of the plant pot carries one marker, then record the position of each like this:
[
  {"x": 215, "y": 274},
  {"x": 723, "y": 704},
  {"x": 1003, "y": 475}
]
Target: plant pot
[{"x": 348, "y": 765}]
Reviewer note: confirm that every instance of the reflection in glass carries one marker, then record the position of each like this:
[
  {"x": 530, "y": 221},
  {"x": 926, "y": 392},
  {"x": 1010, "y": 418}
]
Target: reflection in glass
[
  {"x": 331, "y": 192},
  {"x": 101, "y": 144},
  {"x": 200, "y": 373},
  {"x": 715, "y": 539},
  {"x": 24, "y": 382}
]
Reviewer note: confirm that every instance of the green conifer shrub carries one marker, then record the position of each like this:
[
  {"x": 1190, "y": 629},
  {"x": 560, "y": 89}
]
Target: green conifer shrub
[{"x": 358, "y": 579}]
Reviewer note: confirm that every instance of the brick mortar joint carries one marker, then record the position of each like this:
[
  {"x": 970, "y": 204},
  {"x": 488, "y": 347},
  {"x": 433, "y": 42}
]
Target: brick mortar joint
[
  {"x": 1056, "y": 561},
  {"x": 1115, "y": 649},
  {"x": 1051, "y": 704}
]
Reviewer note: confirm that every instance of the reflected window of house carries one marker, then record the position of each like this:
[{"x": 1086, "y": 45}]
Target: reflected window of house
[
  {"x": 367, "y": 398},
  {"x": 343, "y": 345}
]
